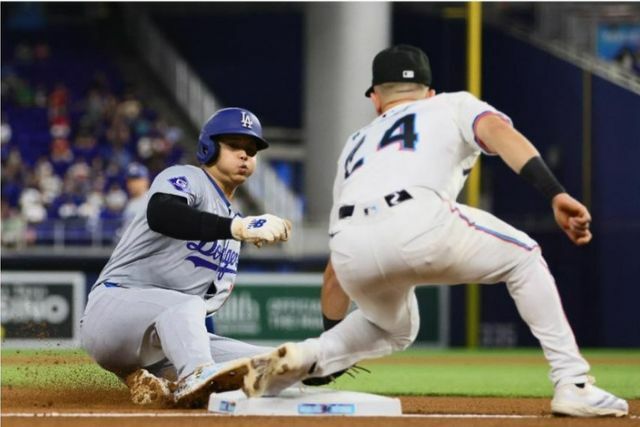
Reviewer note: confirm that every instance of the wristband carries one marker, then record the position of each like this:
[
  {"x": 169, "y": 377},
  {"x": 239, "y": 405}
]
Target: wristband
[
  {"x": 537, "y": 173},
  {"x": 329, "y": 323}
]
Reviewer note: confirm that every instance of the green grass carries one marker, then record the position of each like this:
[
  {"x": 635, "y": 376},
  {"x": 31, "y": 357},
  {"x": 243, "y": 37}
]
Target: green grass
[
  {"x": 445, "y": 373},
  {"x": 67, "y": 373},
  {"x": 616, "y": 370}
]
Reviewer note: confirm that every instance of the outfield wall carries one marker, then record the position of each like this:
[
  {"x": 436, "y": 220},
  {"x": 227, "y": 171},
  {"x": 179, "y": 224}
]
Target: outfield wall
[{"x": 43, "y": 308}]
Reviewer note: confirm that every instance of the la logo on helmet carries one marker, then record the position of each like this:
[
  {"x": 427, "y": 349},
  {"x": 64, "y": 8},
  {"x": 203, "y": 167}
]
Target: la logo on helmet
[{"x": 246, "y": 120}]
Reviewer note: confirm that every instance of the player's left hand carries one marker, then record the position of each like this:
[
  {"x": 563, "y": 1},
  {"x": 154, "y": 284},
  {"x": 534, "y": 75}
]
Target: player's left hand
[{"x": 573, "y": 217}]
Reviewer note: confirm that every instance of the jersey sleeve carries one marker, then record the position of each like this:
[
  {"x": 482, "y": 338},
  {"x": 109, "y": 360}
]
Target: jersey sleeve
[
  {"x": 181, "y": 181},
  {"x": 470, "y": 110}
]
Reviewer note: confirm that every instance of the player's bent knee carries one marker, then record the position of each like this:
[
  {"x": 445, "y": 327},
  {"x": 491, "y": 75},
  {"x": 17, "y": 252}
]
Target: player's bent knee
[{"x": 402, "y": 341}]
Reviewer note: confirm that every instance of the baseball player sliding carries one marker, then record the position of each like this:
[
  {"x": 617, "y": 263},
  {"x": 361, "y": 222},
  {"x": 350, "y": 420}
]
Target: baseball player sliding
[
  {"x": 175, "y": 263},
  {"x": 395, "y": 224}
]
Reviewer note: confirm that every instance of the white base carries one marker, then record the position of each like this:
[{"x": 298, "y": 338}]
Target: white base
[{"x": 299, "y": 401}]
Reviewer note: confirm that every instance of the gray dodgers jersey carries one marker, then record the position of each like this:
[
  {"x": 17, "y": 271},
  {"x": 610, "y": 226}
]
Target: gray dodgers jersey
[{"x": 146, "y": 259}]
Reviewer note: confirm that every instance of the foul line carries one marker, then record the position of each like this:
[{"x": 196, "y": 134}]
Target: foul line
[{"x": 200, "y": 415}]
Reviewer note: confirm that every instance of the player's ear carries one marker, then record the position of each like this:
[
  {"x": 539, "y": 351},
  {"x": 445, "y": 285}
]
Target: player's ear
[
  {"x": 377, "y": 103},
  {"x": 431, "y": 92}
]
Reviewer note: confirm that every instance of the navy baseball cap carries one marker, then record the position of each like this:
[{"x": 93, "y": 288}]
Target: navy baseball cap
[
  {"x": 137, "y": 170},
  {"x": 400, "y": 63}
]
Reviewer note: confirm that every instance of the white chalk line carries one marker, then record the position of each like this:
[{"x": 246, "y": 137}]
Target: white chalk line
[{"x": 200, "y": 415}]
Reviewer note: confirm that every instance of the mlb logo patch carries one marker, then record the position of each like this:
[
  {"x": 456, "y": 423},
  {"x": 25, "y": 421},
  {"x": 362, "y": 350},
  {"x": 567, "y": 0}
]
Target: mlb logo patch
[
  {"x": 408, "y": 74},
  {"x": 180, "y": 183}
]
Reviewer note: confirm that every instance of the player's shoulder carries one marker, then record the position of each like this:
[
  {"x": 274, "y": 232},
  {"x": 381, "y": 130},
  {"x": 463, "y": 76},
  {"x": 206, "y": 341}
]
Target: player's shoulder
[
  {"x": 188, "y": 170},
  {"x": 456, "y": 97},
  {"x": 187, "y": 174}
]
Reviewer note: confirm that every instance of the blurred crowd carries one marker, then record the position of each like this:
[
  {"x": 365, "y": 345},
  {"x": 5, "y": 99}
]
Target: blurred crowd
[{"x": 77, "y": 168}]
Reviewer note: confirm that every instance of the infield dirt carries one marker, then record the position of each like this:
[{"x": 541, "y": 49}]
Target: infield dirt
[{"x": 83, "y": 406}]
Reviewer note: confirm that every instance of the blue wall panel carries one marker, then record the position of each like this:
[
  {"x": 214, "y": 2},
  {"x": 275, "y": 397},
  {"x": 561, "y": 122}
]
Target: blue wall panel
[
  {"x": 248, "y": 60},
  {"x": 616, "y": 182}
]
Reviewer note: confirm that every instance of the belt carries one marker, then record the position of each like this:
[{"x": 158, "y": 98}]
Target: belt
[{"x": 392, "y": 199}]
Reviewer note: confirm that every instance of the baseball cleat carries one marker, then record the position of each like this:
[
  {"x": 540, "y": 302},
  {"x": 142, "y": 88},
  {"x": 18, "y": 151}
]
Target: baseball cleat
[
  {"x": 194, "y": 390},
  {"x": 148, "y": 390},
  {"x": 587, "y": 400},
  {"x": 275, "y": 371}
]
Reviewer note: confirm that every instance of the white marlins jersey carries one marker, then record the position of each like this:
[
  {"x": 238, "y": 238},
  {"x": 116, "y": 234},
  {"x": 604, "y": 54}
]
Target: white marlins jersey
[{"x": 428, "y": 143}]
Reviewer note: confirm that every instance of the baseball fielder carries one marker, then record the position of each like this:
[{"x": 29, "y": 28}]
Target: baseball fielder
[
  {"x": 176, "y": 263},
  {"x": 395, "y": 224}
]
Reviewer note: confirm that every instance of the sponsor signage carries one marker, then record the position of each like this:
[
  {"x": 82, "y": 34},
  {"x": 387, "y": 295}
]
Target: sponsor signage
[
  {"x": 278, "y": 307},
  {"x": 41, "y": 309}
]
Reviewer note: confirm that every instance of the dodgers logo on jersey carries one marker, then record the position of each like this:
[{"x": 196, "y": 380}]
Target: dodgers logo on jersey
[
  {"x": 180, "y": 183},
  {"x": 216, "y": 256},
  {"x": 246, "y": 120}
]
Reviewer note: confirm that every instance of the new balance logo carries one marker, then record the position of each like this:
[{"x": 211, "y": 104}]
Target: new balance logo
[
  {"x": 246, "y": 120},
  {"x": 256, "y": 223}
]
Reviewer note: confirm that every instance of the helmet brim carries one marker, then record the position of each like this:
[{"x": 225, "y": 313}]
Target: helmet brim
[{"x": 261, "y": 143}]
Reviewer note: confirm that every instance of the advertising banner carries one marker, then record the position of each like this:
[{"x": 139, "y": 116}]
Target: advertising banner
[
  {"x": 278, "y": 307},
  {"x": 41, "y": 309}
]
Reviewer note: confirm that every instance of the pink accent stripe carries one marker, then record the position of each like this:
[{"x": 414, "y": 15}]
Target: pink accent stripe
[
  {"x": 502, "y": 237},
  {"x": 478, "y": 141}
]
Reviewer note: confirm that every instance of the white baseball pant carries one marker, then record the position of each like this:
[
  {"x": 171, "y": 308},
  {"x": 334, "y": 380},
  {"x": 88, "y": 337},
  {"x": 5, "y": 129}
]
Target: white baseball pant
[{"x": 381, "y": 253}]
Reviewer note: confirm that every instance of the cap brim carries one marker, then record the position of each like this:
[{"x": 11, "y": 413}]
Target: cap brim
[
  {"x": 261, "y": 144},
  {"x": 368, "y": 92}
]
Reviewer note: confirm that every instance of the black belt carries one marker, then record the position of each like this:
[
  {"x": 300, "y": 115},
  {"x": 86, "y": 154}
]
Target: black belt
[{"x": 392, "y": 200}]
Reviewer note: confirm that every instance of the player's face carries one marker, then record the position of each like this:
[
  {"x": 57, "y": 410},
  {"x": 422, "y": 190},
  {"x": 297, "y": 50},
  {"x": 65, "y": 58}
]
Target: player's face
[
  {"x": 237, "y": 159},
  {"x": 137, "y": 186}
]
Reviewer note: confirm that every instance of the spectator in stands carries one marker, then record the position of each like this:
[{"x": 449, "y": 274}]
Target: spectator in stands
[
  {"x": 137, "y": 186},
  {"x": 12, "y": 226},
  {"x": 59, "y": 105},
  {"x": 13, "y": 177},
  {"x": 118, "y": 151},
  {"x": 114, "y": 202},
  {"x": 5, "y": 132},
  {"x": 77, "y": 186},
  {"x": 85, "y": 145},
  {"x": 32, "y": 206},
  {"x": 48, "y": 182},
  {"x": 60, "y": 127},
  {"x": 61, "y": 156},
  {"x": 89, "y": 143}
]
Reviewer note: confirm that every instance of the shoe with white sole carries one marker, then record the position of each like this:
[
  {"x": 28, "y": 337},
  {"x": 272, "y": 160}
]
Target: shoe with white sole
[
  {"x": 194, "y": 390},
  {"x": 277, "y": 370},
  {"x": 587, "y": 400},
  {"x": 148, "y": 390}
]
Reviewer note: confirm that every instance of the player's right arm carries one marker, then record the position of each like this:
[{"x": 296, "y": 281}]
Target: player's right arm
[
  {"x": 521, "y": 156},
  {"x": 333, "y": 300},
  {"x": 171, "y": 215},
  {"x": 174, "y": 198}
]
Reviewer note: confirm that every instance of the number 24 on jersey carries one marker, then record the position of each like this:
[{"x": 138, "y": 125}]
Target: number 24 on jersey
[{"x": 402, "y": 132}]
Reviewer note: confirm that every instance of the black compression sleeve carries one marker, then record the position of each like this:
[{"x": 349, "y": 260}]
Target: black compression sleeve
[
  {"x": 170, "y": 215},
  {"x": 536, "y": 173},
  {"x": 329, "y": 323}
]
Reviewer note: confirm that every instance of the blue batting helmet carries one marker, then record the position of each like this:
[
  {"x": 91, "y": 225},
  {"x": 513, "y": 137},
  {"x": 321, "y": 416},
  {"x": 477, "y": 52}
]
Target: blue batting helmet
[{"x": 228, "y": 121}]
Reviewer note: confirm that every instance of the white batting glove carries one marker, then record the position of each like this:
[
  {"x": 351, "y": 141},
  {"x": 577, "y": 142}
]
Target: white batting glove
[{"x": 261, "y": 229}]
